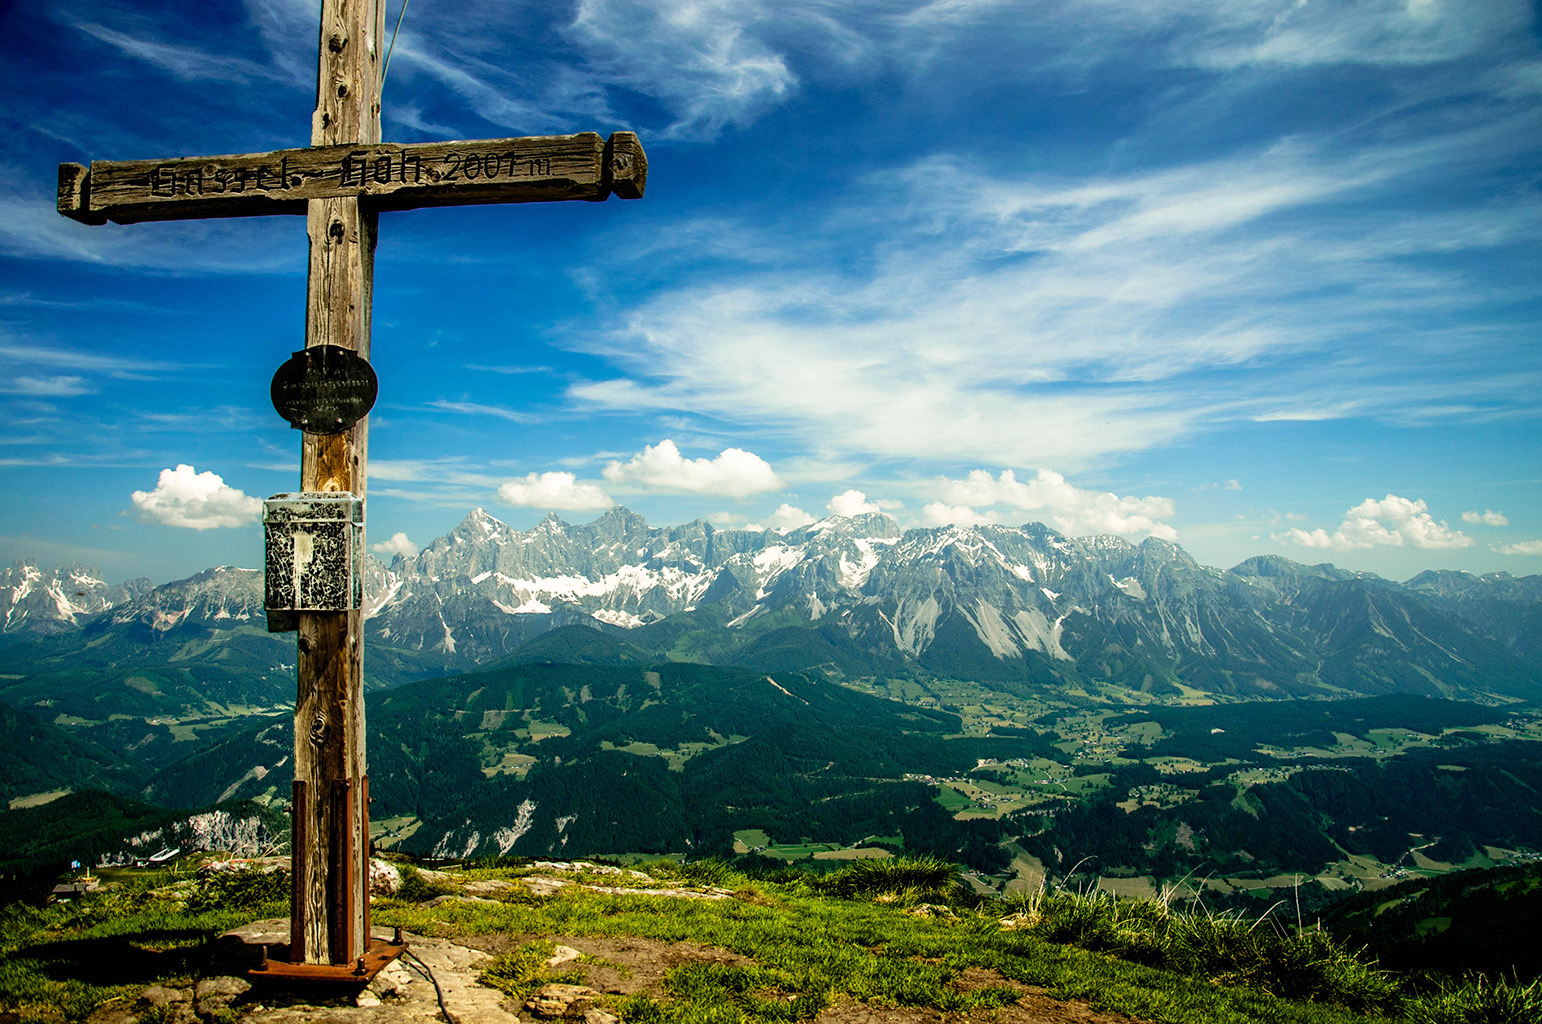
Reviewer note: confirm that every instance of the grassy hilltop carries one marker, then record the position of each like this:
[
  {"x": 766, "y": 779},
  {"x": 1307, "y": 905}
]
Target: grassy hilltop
[{"x": 896, "y": 936}]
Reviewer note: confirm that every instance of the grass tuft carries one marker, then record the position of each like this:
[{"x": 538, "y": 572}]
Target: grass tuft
[
  {"x": 415, "y": 888},
  {"x": 521, "y": 971},
  {"x": 238, "y": 889},
  {"x": 1478, "y": 999},
  {"x": 1224, "y": 948},
  {"x": 901, "y": 881}
]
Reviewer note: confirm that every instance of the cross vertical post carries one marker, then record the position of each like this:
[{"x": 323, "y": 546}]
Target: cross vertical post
[
  {"x": 332, "y": 868},
  {"x": 340, "y": 182}
]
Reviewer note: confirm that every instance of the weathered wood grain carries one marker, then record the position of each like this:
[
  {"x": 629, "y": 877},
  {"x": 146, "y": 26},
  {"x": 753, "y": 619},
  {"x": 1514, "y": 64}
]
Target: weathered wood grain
[
  {"x": 387, "y": 176},
  {"x": 330, "y": 697}
]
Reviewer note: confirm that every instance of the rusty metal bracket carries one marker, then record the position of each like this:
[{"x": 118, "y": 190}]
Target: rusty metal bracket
[{"x": 360, "y": 972}]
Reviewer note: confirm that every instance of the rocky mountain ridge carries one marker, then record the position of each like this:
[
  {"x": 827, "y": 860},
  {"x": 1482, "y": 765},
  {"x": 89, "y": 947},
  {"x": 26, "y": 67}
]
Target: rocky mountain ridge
[
  {"x": 1021, "y": 605},
  {"x": 42, "y": 601}
]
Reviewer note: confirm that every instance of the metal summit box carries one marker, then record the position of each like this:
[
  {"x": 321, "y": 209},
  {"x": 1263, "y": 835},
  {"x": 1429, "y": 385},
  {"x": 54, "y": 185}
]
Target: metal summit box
[{"x": 314, "y": 543}]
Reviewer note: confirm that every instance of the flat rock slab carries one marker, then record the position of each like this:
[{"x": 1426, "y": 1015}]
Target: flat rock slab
[{"x": 434, "y": 980}]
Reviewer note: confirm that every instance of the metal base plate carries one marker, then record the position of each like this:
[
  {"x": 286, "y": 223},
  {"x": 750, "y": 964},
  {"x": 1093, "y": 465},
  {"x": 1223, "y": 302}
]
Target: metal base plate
[{"x": 358, "y": 973}]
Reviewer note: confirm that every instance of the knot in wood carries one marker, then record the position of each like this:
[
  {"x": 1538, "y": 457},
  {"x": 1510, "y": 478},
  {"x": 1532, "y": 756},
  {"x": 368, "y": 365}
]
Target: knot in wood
[
  {"x": 337, "y": 230},
  {"x": 342, "y": 90},
  {"x": 337, "y": 42},
  {"x": 319, "y": 729}
]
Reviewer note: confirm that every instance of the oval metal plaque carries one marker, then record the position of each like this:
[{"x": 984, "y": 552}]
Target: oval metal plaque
[{"x": 325, "y": 389}]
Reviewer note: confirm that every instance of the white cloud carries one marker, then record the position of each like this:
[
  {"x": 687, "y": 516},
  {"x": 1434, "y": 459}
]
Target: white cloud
[
  {"x": 1389, "y": 522},
  {"x": 58, "y": 386},
  {"x": 185, "y": 62},
  {"x": 1488, "y": 517},
  {"x": 478, "y": 409},
  {"x": 852, "y": 503},
  {"x": 30, "y": 227},
  {"x": 1524, "y": 547},
  {"x": 735, "y": 473},
  {"x": 1027, "y": 319},
  {"x": 788, "y": 517},
  {"x": 704, "y": 60},
  {"x": 1070, "y": 509},
  {"x": 1389, "y": 32},
  {"x": 192, "y": 500},
  {"x": 397, "y": 545},
  {"x": 555, "y": 490},
  {"x": 939, "y": 514}
]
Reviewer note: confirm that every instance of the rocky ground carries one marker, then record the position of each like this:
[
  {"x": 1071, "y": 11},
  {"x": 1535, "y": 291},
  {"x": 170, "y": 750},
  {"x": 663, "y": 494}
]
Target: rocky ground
[{"x": 438, "y": 980}]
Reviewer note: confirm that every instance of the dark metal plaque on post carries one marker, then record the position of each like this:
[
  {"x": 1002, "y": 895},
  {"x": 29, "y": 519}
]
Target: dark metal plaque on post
[{"x": 324, "y": 389}]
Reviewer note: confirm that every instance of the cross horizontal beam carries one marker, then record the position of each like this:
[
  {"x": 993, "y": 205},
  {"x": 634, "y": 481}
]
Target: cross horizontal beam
[{"x": 385, "y": 176}]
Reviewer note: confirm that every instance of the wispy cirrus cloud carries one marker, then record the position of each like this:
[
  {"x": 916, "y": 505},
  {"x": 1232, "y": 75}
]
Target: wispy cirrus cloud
[
  {"x": 64, "y": 386},
  {"x": 186, "y": 62},
  {"x": 710, "y": 61},
  {"x": 1385, "y": 32},
  {"x": 30, "y": 227},
  {"x": 1032, "y": 320},
  {"x": 480, "y": 409},
  {"x": 83, "y": 360}
]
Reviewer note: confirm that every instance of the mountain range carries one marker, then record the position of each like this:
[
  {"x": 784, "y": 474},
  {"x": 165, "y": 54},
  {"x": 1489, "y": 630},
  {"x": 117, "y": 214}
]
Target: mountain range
[{"x": 1015, "y": 607}]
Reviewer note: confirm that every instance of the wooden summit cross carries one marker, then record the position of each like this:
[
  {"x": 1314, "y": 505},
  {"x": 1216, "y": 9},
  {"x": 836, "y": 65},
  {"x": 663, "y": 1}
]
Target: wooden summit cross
[{"x": 340, "y": 183}]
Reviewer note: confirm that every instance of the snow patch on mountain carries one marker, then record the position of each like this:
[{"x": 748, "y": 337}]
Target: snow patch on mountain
[
  {"x": 1131, "y": 586},
  {"x": 615, "y": 617},
  {"x": 854, "y": 574}
]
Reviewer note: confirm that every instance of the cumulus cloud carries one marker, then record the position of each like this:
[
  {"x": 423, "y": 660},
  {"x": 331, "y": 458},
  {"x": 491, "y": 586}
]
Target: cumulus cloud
[
  {"x": 1524, "y": 547},
  {"x": 735, "y": 473},
  {"x": 1488, "y": 517},
  {"x": 397, "y": 545},
  {"x": 555, "y": 490},
  {"x": 1070, "y": 508},
  {"x": 733, "y": 521},
  {"x": 1389, "y": 522},
  {"x": 939, "y": 514},
  {"x": 192, "y": 500},
  {"x": 852, "y": 503},
  {"x": 788, "y": 517}
]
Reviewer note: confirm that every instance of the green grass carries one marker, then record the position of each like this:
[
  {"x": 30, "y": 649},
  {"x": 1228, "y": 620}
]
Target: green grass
[
  {"x": 1224, "y": 948},
  {"x": 951, "y": 799},
  {"x": 1479, "y": 1000},
  {"x": 521, "y": 971},
  {"x": 57, "y": 963},
  {"x": 889, "y": 933}
]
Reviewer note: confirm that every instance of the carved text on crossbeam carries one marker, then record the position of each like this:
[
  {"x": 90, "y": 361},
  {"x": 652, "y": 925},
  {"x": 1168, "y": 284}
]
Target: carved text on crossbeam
[{"x": 387, "y": 176}]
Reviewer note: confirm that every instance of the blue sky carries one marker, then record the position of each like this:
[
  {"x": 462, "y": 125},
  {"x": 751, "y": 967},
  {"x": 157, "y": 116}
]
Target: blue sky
[{"x": 1256, "y": 276}]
